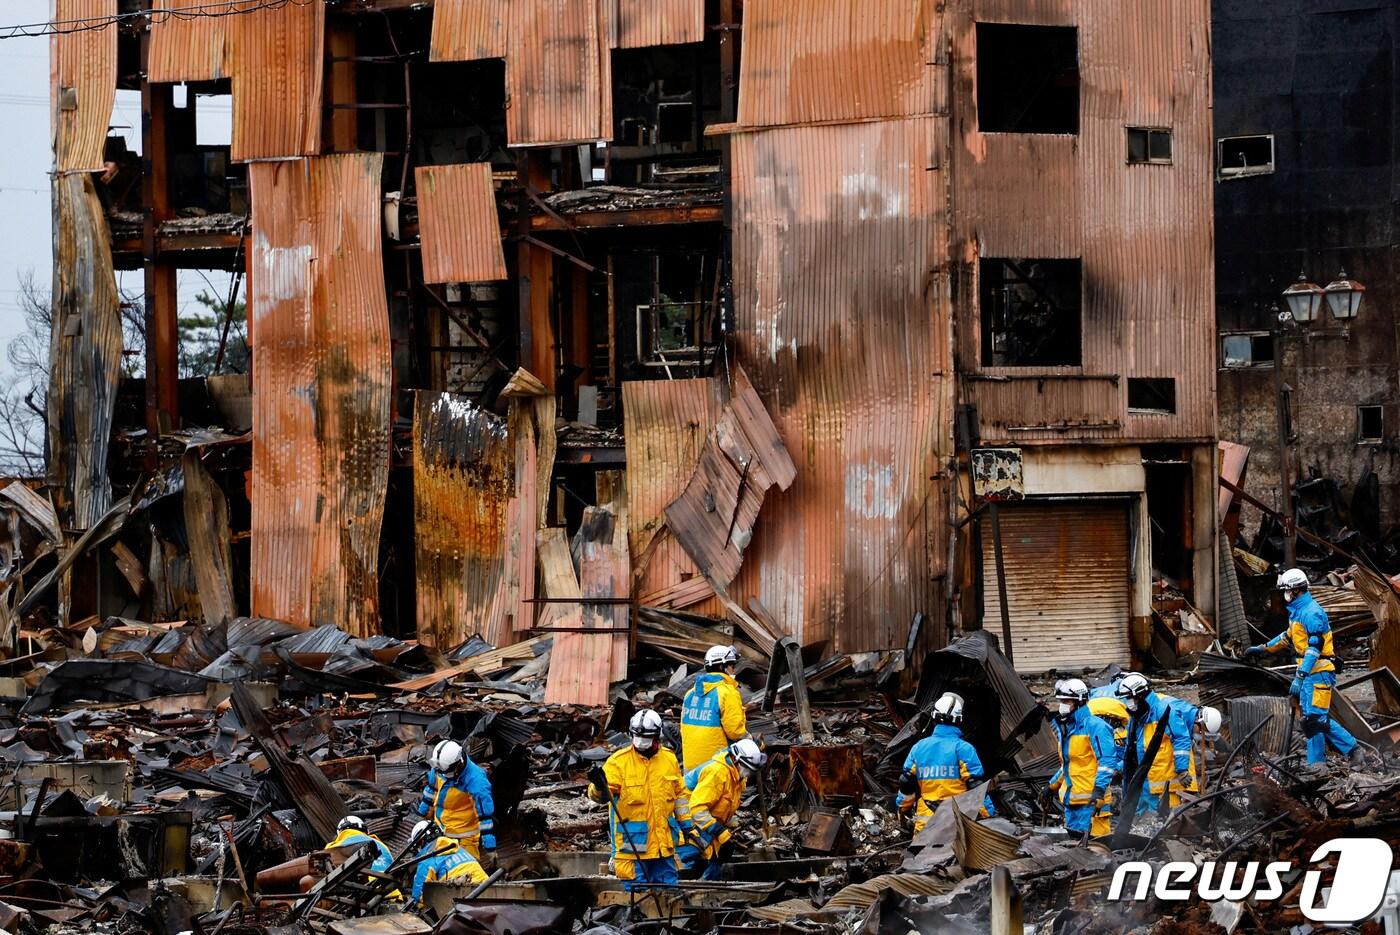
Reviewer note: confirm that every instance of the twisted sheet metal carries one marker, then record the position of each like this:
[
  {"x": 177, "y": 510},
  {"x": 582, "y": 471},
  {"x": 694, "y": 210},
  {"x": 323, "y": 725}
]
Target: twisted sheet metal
[
  {"x": 279, "y": 56},
  {"x": 83, "y": 85},
  {"x": 828, "y": 61},
  {"x": 463, "y": 479},
  {"x": 459, "y": 227},
  {"x": 1247, "y": 712},
  {"x": 190, "y": 47},
  {"x": 668, "y": 422},
  {"x": 85, "y": 352},
  {"x": 321, "y": 391},
  {"x": 642, "y": 23},
  {"x": 467, "y": 30},
  {"x": 841, "y": 321}
]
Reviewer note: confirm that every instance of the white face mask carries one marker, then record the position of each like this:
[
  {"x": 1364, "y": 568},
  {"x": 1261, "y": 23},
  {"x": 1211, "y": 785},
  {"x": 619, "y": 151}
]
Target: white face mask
[
  {"x": 1131, "y": 704},
  {"x": 644, "y": 744},
  {"x": 1065, "y": 709}
]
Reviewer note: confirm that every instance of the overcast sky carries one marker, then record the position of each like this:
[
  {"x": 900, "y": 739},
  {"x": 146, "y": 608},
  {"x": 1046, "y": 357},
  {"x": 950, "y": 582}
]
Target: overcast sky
[{"x": 26, "y": 158}]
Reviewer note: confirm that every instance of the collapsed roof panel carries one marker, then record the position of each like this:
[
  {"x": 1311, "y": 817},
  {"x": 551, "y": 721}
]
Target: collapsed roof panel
[
  {"x": 460, "y": 230},
  {"x": 84, "y": 88}
]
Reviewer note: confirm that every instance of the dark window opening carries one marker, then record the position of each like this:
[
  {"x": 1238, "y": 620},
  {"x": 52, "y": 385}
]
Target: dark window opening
[
  {"x": 665, "y": 304},
  {"x": 1370, "y": 422},
  {"x": 1245, "y": 155},
  {"x": 1147, "y": 145},
  {"x": 1030, "y": 312},
  {"x": 1027, "y": 79},
  {"x": 1245, "y": 350},
  {"x": 1152, "y": 394}
]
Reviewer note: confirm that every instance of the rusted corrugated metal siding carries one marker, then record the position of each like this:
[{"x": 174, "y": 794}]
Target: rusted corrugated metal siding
[
  {"x": 83, "y": 85},
  {"x": 842, "y": 324},
  {"x": 458, "y": 224},
  {"x": 279, "y": 56},
  {"x": 321, "y": 392},
  {"x": 1144, "y": 232},
  {"x": 85, "y": 352},
  {"x": 1046, "y": 408},
  {"x": 466, "y": 30},
  {"x": 463, "y": 479},
  {"x": 641, "y": 23},
  {"x": 825, "y": 61},
  {"x": 558, "y": 72},
  {"x": 667, "y": 424},
  {"x": 190, "y": 47}
]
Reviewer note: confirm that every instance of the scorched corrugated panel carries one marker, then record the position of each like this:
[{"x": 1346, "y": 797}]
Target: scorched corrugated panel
[
  {"x": 321, "y": 391},
  {"x": 842, "y": 324},
  {"x": 189, "y": 47},
  {"x": 466, "y": 30},
  {"x": 83, "y": 85},
  {"x": 463, "y": 479},
  {"x": 458, "y": 224},
  {"x": 642, "y": 23},
  {"x": 827, "y": 61},
  {"x": 558, "y": 72},
  {"x": 279, "y": 56}
]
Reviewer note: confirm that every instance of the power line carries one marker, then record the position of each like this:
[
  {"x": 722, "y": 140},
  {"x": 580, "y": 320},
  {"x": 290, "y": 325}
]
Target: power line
[{"x": 210, "y": 8}]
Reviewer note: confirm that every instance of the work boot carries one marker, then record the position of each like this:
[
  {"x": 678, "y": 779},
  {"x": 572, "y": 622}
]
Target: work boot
[{"x": 1356, "y": 759}]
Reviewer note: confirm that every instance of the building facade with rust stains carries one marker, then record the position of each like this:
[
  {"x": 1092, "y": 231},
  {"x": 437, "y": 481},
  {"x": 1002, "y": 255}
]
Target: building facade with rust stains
[{"x": 566, "y": 306}]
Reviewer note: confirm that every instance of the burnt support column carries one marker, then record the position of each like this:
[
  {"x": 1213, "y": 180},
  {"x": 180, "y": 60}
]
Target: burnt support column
[{"x": 162, "y": 306}]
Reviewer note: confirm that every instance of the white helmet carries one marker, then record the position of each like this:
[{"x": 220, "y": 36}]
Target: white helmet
[
  {"x": 747, "y": 756},
  {"x": 1210, "y": 719},
  {"x": 351, "y": 823},
  {"x": 421, "y": 830},
  {"x": 948, "y": 709},
  {"x": 645, "y": 729},
  {"x": 1293, "y": 580},
  {"x": 1132, "y": 689},
  {"x": 1072, "y": 690},
  {"x": 721, "y": 656},
  {"x": 447, "y": 758}
]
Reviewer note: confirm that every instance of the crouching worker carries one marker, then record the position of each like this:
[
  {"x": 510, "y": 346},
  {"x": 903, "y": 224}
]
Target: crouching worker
[
  {"x": 449, "y": 860},
  {"x": 642, "y": 783},
  {"x": 1192, "y": 721},
  {"x": 715, "y": 790},
  {"x": 351, "y": 832},
  {"x": 1089, "y": 759},
  {"x": 940, "y": 766}
]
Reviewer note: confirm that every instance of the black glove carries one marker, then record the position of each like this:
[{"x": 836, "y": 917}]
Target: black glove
[
  {"x": 599, "y": 781},
  {"x": 909, "y": 784}
]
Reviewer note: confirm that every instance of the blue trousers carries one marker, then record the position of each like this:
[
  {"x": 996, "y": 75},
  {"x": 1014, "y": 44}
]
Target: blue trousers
[
  {"x": 689, "y": 856},
  {"x": 1315, "y": 702},
  {"x": 658, "y": 871},
  {"x": 1080, "y": 818}
]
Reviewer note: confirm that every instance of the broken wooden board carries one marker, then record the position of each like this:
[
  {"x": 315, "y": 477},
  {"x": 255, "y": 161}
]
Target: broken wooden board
[
  {"x": 580, "y": 665},
  {"x": 481, "y": 663},
  {"x": 611, "y": 489},
  {"x": 206, "y": 526}
]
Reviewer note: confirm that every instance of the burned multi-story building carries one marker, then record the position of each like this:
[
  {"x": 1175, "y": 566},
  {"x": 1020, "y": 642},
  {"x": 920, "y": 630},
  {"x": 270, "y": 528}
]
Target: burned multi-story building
[{"x": 761, "y": 310}]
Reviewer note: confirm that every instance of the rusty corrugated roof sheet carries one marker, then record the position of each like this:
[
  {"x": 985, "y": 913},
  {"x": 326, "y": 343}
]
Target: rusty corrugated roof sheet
[
  {"x": 463, "y": 479},
  {"x": 558, "y": 72},
  {"x": 825, "y": 61},
  {"x": 845, "y": 334},
  {"x": 458, "y": 224},
  {"x": 87, "y": 353},
  {"x": 321, "y": 393},
  {"x": 189, "y": 47},
  {"x": 279, "y": 56},
  {"x": 83, "y": 85},
  {"x": 466, "y": 30},
  {"x": 642, "y": 23},
  {"x": 668, "y": 422}
]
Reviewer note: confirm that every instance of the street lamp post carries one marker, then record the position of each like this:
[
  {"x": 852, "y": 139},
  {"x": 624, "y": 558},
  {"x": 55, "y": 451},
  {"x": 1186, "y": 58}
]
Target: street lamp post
[{"x": 1304, "y": 302}]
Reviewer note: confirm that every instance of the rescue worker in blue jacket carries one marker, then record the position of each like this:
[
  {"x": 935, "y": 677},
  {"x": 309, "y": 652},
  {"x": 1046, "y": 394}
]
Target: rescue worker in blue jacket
[
  {"x": 1195, "y": 721},
  {"x": 351, "y": 832},
  {"x": 940, "y": 766},
  {"x": 1089, "y": 759},
  {"x": 712, "y": 715},
  {"x": 1172, "y": 763},
  {"x": 1309, "y": 634},
  {"x": 457, "y": 797},
  {"x": 449, "y": 860}
]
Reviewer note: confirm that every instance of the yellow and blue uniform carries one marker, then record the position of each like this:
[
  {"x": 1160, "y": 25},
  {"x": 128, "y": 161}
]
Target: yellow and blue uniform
[
  {"x": 1112, "y": 712},
  {"x": 1184, "y": 717},
  {"x": 462, "y": 807},
  {"x": 350, "y": 837},
  {"x": 454, "y": 863},
  {"x": 945, "y": 765},
  {"x": 715, "y": 790},
  {"x": 1089, "y": 759},
  {"x": 649, "y": 804},
  {"x": 1173, "y": 753},
  {"x": 712, "y": 718},
  {"x": 1309, "y": 634}
]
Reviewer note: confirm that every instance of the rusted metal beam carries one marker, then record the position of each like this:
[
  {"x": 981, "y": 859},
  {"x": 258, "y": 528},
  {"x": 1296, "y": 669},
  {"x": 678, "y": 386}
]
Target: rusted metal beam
[
  {"x": 633, "y": 217},
  {"x": 162, "y": 313}
]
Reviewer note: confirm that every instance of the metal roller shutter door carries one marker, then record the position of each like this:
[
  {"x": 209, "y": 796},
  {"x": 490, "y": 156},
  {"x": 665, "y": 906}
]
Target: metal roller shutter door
[{"x": 1066, "y": 583}]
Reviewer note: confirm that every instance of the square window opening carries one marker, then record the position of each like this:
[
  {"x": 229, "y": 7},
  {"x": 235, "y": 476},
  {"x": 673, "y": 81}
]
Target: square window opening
[
  {"x": 1030, "y": 312},
  {"x": 1149, "y": 146},
  {"x": 1152, "y": 394},
  {"x": 1027, "y": 78},
  {"x": 1239, "y": 156},
  {"x": 1370, "y": 423},
  {"x": 1246, "y": 350}
]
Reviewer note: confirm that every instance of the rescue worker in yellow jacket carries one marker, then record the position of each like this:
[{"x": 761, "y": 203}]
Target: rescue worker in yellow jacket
[
  {"x": 1148, "y": 712},
  {"x": 940, "y": 766},
  {"x": 458, "y": 798},
  {"x": 1089, "y": 759},
  {"x": 715, "y": 790},
  {"x": 447, "y": 859},
  {"x": 351, "y": 832},
  {"x": 642, "y": 782},
  {"x": 712, "y": 716}
]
